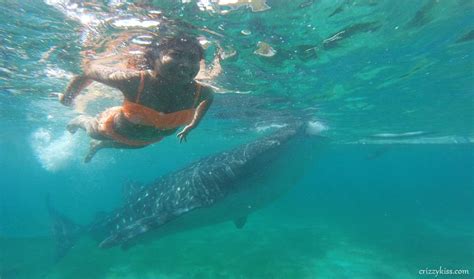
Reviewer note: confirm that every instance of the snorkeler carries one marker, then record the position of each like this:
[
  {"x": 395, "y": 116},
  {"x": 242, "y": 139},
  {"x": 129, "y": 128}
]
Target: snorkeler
[{"x": 160, "y": 95}]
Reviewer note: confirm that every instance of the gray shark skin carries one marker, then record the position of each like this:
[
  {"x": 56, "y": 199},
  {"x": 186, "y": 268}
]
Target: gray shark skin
[{"x": 224, "y": 187}]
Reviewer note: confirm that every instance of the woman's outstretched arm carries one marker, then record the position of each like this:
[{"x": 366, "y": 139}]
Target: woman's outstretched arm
[{"x": 116, "y": 78}]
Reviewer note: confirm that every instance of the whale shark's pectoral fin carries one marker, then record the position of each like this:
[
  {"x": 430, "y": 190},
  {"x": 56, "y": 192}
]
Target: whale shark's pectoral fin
[{"x": 240, "y": 222}]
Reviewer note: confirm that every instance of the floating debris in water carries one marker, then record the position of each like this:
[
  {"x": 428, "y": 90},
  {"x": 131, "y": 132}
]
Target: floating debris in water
[
  {"x": 307, "y": 52},
  {"x": 306, "y": 4},
  {"x": 246, "y": 32},
  {"x": 227, "y": 53},
  {"x": 349, "y": 31},
  {"x": 264, "y": 49},
  {"x": 339, "y": 9},
  {"x": 204, "y": 43},
  {"x": 467, "y": 37},
  {"x": 423, "y": 16}
]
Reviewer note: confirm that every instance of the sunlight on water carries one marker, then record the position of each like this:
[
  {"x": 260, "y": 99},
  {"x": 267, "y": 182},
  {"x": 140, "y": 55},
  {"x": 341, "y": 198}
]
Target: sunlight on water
[
  {"x": 263, "y": 128},
  {"x": 315, "y": 128},
  {"x": 53, "y": 153}
]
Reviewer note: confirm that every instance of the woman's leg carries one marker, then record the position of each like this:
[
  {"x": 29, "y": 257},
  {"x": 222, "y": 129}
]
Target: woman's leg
[
  {"x": 88, "y": 124},
  {"x": 97, "y": 145}
]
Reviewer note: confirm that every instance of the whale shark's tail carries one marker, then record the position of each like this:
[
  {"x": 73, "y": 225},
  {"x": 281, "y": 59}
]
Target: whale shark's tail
[{"x": 65, "y": 231}]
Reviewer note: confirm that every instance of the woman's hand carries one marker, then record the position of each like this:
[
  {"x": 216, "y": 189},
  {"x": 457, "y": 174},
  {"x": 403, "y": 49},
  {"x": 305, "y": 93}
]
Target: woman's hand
[
  {"x": 61, "y": 98},
  {"x": 77, "y": 84},
  {"x": 184, "y": 133}
]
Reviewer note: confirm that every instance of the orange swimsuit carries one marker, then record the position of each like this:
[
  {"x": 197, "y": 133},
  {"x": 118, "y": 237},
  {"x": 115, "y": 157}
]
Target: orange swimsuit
[{"x": 142, "y": 115}]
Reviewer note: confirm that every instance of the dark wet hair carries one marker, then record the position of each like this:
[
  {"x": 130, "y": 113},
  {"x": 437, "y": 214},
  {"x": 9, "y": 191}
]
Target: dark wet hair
[{"x": 182, "y": 41}]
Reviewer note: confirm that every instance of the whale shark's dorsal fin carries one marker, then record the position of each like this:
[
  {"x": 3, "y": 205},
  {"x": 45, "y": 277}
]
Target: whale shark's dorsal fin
[{"x": 240, "y": 222}]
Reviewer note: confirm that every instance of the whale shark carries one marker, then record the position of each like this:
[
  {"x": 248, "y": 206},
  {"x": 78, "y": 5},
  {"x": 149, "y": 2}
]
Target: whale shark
[{"x": 227, "y": 186}]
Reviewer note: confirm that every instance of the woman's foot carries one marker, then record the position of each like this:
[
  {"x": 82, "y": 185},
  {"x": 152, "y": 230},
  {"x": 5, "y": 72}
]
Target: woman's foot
[
  {"x": 95, "y": 146},
  {"x": 82, "y": 121},
  {"x": 72, "y": 127}
]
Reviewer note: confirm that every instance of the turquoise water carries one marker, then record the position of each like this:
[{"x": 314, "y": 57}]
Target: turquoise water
[{"x": 388, "y": 85}]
